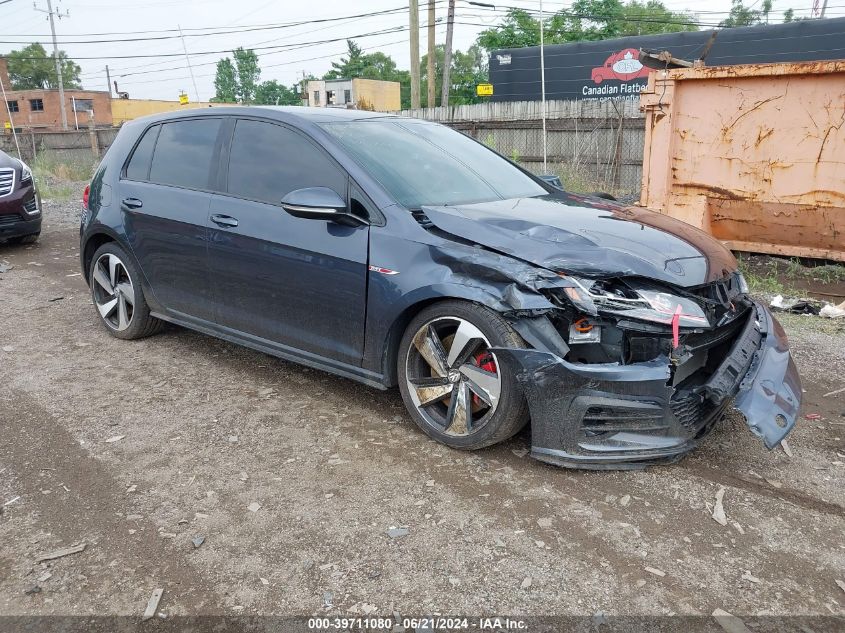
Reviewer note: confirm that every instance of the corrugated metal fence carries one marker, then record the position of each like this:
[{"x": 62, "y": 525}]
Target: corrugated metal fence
[
  {"x": 63, "y": 145},
  {"x": 591, "y": 145}
]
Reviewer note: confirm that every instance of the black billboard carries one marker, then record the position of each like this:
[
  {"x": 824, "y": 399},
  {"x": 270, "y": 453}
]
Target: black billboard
[{"x": 611, "y": 69}]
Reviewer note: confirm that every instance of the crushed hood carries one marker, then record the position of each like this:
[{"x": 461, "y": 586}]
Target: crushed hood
[{"x": 591, "y": 237}]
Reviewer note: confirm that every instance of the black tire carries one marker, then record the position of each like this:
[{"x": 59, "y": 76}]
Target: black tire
[
  {"x": 32, "y": 238},
  {"x": 141, "y": 324},
  {"x": 511, "y": 413}
]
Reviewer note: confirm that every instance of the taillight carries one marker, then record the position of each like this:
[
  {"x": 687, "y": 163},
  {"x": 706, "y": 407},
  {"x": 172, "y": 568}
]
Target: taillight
[{"x": 85, "y": 195}]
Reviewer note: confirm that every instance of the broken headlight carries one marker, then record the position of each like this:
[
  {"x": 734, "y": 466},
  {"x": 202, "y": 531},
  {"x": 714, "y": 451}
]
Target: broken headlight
[{"x": 635, "y": 299}]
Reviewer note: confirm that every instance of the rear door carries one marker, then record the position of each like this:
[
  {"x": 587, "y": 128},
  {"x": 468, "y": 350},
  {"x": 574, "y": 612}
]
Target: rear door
[
  {"x": 165, "y": 196},
  {"x": 296, "y": 282}
]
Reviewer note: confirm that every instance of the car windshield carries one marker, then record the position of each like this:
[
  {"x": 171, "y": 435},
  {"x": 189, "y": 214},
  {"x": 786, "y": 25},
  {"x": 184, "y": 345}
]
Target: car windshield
[{"x": 422, "y": 163}]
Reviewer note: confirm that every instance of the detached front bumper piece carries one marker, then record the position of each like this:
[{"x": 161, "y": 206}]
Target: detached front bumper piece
[{"x": 612, "y": 416}]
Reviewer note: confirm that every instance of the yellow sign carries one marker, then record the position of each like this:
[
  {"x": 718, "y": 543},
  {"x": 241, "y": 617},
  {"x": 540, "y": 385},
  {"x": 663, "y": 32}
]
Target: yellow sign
[
  {"x": 7, "y": 125},
  {"x": 484, "y": 90},
  {"x": 183, "y": 99}
]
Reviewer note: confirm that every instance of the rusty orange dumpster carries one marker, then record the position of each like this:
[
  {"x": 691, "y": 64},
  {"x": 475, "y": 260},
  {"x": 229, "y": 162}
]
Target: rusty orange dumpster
[{"x": 752, "y": 154}]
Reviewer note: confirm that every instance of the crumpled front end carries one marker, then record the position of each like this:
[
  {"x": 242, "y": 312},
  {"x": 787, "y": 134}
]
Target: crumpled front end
[{"x": 613, "y": 415}]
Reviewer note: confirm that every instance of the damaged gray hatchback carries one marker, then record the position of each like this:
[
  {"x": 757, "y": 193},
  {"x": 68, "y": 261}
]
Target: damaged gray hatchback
[{"x": 396, "y": 251}]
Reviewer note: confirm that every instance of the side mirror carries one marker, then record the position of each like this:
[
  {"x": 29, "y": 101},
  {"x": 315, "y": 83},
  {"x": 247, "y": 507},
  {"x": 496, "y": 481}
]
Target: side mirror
[
  {"x": 319, "y": 203},
  {"x": 552, "y": 180}
]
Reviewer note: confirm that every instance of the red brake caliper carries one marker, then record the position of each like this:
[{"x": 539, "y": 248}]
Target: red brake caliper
[{"x": 485, "y": 361}]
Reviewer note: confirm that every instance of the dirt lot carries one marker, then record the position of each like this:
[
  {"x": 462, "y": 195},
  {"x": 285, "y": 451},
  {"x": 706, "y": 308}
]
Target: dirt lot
[{"x": 136, "y": 448}]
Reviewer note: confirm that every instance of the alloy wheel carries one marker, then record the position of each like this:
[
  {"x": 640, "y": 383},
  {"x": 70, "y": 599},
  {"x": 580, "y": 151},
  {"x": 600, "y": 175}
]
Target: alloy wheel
[
  {"x": 452, "y": 377},
  {"x": 114, "y": 293}
]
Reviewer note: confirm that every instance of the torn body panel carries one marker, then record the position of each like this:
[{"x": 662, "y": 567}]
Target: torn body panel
[{"x": 611, "y": 415}]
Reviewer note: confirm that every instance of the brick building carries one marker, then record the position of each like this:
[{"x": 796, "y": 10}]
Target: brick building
[{"x": 40, "y": 110}]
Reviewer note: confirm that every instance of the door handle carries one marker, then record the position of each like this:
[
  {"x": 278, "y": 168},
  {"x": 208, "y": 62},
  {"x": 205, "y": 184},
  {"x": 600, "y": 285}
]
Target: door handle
[
  {"x": 226, "y": 221},
  {"x": 132, "y": 203}
]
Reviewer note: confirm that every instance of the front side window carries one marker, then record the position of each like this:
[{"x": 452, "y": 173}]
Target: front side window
[
  {"x": 422, "y": 163},
  {"x": 184, "y": 153},
  {"x": 36, "y": 105},
  {"x": 139, "y": 165},
  {"x": 267, "y": 161},
  {"x": 13, "y": 106}
]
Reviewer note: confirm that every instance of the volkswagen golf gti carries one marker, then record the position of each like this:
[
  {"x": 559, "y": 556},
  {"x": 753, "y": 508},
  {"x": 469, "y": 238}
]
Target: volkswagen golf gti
[{"x": 395, "y": 251}]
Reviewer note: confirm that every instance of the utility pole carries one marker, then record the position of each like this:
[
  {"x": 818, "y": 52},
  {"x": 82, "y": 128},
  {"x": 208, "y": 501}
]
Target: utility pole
[
  {"x": 543, "y": 90},
  {"x": 108, "y": 80},
  {"x": 414, "y": 25},
  {"x": 57, "y": 14},
  {"x": 188, "y": 60},
  {"x": 432, "y": 79},
  {"x": 447, "y": 57},
  {"x": 824, "y": 9}
]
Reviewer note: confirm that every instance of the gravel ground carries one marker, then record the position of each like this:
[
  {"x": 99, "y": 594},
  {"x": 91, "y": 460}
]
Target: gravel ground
[{"x": 294, "y": 478}]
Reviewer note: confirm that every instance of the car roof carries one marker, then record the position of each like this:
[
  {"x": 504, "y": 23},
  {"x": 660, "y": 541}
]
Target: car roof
[{"x": 289, "y": 114}]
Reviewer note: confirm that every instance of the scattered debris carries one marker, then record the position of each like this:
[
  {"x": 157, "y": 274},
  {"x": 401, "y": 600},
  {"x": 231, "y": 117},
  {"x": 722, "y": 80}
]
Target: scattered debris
[
  {"x": 774, "y": 483},
  {"x": 833, "y": 393},
  {"x": 60, "y": 553},
  {"x": 328, "y": 598},
  {"x": 54, "y": 299},
  {"x": 254, "y": 506},
  {"x": 396, "y": 532},
  {"x": 730, "y": 623},
  {"x": 131, "y": 489},
  {"x": 33, "y": 590},
  {"x": 519, "y": 452},
  {"x": 114, "y": 438},
  {"x": 264, "y": 581},
  {"x": 625, "y": 500},
  {"x": 747, "y": 576},
  {"x": 198, "y": 541},
  {"x": 233, "y": 439},
  {"x": 841, "y": 584},
  {"x": 5, "y": 267},
  {"x": 544, "y": 522},
  {"x": 796, "y": 306},
  {"x": 244, "y": 476},
  {"x": 719, "y": 515},
  {"x": 785, "y": 446},
  {"x": 738, "y": 527},
  {"x": 8, "y": 348},
  {"x": 813, "y": 416},
  {"x": 833, "y": 312},
  {"x": 152, "y": 604},
  {"x": 655, "y": 571},
  {"x": 11, "y": 501},
  {"x": 44, "y": 577},
  {"x": 526, "y": 583}
]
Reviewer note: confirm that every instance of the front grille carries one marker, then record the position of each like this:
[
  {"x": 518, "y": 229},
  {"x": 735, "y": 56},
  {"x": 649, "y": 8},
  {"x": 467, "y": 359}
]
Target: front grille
[
  {"x": 7, "y": 181},
  {"x": 691, "y": 410}
]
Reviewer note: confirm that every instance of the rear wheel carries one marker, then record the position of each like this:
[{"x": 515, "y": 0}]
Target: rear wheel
[
  {"x": 452, "y": 384},
  {"x": 117, "y": 294}
]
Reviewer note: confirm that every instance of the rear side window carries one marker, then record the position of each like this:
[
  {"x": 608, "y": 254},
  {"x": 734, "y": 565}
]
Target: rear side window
[
  {"x": 268, "y": 161},
  {"x": 184, "y": 153},
  {"x": 139, "y": 165}
]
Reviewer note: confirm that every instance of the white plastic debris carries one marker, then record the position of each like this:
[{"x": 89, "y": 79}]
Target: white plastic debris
[
  {"x": 729, "y": 622},
  {"x": 833, "y": 312},
  {"x": 719, "y": 515},
  {"x": 152, "y": 604}
]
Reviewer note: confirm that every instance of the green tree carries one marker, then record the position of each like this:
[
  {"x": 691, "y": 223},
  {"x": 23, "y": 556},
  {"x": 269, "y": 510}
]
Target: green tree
[
  {"x": 273, "y": 93},
  {"x": 586, "y": 20},
  {"x": 32, "y": 68},
  {"x": 356, "y": 64},
  {"x": 740, "y": 15},
  {"x": 246, "y": 63},
  {"x": 225, "y": 82},
  {"x": 237, "y": 81}
]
